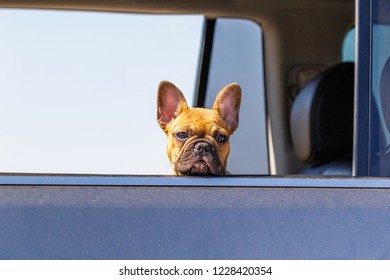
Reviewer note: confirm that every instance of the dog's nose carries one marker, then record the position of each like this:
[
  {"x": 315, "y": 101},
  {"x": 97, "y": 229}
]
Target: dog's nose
[{"x": 203, "y": 147}]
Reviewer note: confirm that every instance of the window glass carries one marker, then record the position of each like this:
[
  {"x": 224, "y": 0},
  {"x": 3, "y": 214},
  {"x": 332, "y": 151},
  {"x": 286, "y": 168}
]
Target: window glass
[
  {"x": 348, "y": 51},
  {"x": 237, "y": 57},
  {"x": 78, "y": 89},
  {"x": 380, "y": 107}
]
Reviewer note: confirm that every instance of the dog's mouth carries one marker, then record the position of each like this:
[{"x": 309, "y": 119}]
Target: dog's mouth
[
  {"x": 200, "y": 157},
  {"x": 198, "y": 168}
]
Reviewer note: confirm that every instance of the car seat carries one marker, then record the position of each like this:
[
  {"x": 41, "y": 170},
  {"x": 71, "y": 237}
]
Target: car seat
[{"x": 321, "y": 122}]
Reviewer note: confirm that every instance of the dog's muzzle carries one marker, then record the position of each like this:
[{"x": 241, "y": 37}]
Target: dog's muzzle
[{"x": 200, "y": 157}]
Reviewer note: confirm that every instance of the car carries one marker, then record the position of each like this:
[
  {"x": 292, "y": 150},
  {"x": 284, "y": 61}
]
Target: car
[{"x": 310, "y": 158}]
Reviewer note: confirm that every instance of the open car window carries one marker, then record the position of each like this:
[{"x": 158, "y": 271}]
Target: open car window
[
  {"x": 78, "y": 89},
  {"x": 380, "y": 91}
]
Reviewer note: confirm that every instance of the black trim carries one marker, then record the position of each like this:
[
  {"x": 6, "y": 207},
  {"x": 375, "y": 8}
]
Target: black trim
[
  {"x": 204, "y": 63},
  {"x": 363, "y": 89}
]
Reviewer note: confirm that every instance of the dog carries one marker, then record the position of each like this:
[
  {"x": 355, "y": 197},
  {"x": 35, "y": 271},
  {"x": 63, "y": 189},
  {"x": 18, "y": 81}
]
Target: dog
[{"x": 198, "y": 138}]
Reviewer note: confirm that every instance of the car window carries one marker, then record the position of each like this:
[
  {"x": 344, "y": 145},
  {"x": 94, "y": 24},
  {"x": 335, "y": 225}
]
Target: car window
[
  {"x": 380, "y": 90},
  {"x": 237, "y": 57},
  {"x": 78, "y": 89}
]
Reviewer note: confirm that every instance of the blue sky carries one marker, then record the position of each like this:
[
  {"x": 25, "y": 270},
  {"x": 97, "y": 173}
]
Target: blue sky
[{"x": 78, "y": 89}]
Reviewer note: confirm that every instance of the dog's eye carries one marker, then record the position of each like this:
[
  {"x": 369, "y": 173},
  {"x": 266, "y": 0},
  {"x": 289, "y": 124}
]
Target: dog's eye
[
  {"x": 221, "y": 138},
  {"x": 181, "y": 135}
]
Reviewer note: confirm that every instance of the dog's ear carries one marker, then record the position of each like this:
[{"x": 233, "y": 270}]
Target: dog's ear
[
  {"x": 170, "y": 103},
  {"x": 227, "y": 103}
]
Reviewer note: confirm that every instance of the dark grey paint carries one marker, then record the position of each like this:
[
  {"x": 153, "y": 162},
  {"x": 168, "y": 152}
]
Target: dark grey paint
[{"x": 274, "y": 220}]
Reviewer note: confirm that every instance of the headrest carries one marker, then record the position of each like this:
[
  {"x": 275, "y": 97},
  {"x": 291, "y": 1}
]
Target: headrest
[{"x": 321, "y": 120}]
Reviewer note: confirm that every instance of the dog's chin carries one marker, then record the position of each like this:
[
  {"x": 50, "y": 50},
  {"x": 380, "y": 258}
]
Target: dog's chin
[{"x": 200, "y": 168}]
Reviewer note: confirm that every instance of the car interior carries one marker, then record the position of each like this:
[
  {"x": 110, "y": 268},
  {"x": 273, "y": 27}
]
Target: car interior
[
  {"x": 321, "y": 122},
  {"x": 310, "y": 120}
]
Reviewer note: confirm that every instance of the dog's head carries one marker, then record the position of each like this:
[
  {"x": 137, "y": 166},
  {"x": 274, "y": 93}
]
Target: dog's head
[{"x": 198, "y": 138}]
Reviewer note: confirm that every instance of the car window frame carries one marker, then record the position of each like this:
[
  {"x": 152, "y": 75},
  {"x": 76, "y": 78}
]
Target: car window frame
[
  {"x": 362, "y": 90},
  {"x": 367, "y": 119},
  {"x": 361, "y": 157}
]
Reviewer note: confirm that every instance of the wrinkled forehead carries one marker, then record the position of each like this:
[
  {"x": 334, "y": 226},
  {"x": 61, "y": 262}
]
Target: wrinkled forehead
[{"x": 199, "y": 119}]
